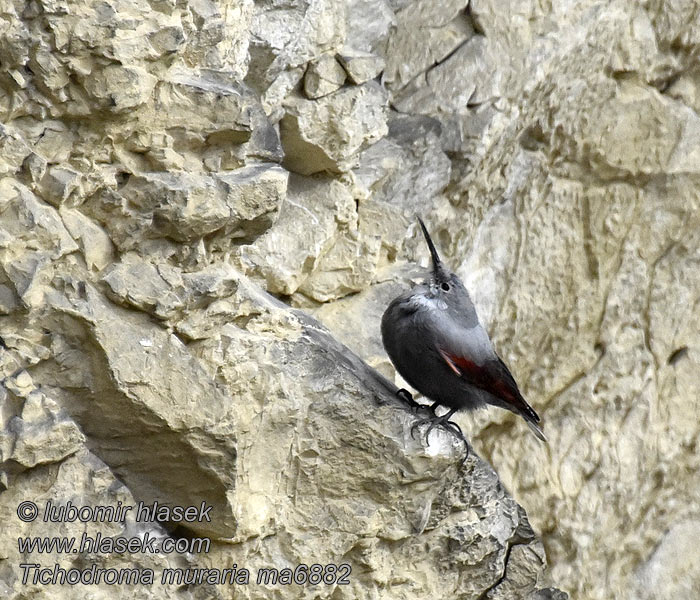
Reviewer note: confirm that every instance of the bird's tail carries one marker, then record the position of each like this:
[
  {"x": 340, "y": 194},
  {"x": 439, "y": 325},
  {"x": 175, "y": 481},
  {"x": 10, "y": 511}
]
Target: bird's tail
[
  {"x": 536, "y": 430},
  {"x": 531, "y": 418}
]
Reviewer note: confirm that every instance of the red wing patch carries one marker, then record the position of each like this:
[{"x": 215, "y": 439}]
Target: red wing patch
[
  {"x": 450, "y": 363},
  {"x": 489, "y": 377}
]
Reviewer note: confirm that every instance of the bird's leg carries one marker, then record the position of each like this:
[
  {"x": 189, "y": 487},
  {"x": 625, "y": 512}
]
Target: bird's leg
[{"x": 445, "y": 423}]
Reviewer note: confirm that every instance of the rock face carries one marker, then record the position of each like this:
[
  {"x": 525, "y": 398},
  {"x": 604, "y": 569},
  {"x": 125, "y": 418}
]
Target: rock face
[{"x": 189, "y": 189}]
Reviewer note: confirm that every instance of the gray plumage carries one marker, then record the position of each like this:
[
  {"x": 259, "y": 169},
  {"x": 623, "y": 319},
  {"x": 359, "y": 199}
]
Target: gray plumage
[{"x": 433, "y": 336}]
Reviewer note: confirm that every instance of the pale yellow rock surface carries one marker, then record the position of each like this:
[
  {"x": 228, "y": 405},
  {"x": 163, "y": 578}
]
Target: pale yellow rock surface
[
  {"x": 147, "y": 211},
  {"x": 172, "y": 208},
  {"x": 573, "y": 219},
  {"x": 327, "y": 134},
  {"x": 426, "y": 32},
  {"x": 323, "y": 76},
  {"x": 360, "y": 66}
]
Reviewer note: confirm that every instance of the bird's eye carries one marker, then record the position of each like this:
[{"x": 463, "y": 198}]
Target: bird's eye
[{"x": 445, "y": 286}]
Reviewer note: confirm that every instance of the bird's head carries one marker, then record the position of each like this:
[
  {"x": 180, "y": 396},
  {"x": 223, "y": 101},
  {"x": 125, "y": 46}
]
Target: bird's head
[
  {"x": 444, "y": 285},
  {"x": 442, "y": 278}
]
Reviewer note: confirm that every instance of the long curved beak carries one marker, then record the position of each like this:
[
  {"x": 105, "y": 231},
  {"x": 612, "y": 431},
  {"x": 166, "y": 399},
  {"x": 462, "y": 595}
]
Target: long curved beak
[{"x": 437, "y": 263}]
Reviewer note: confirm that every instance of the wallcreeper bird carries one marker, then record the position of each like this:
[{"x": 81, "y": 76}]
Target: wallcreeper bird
[{"x": 433, "y": 336}]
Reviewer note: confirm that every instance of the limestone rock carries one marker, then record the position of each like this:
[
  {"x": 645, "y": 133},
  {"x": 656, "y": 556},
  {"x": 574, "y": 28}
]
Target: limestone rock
[
  {"x": 32, "y": 236},
  {"x": 407, "y": 167},
  {"x": 146, "y": 373},
  {"x": 157, "y": 268},
  {"x": 166, "y": 291},
  {"x": 185, "y": 206},
  {"x": 580, "y": 320},
  {"x": 206, "y": 105},
  {"x": 58, "y": 184},
  {"x": 307, "y": 224},
  {"x": 120, "y": 380},
  {"x": 326, "y": 134},
  {"x": 149, "y": 287},
  {"x": 41, "y": 433},
  {"x": 418, "y": 508},
  {"x": 29, "y": 275},
  {"x": 652, "y": 579},
  {"x": 289, "y": 36},
  {"x": 273, "y": 98},
  {"x": 323, "y": 77},
  {"x": 94, "y": 243},
  {"x": 466, "y": 78},
  {"x": 216, "y": 35},
  {"x": 119, "y": 89},
  {"x": 27, "y": 220},
  {"x": 347, "y": 267},
  {"x": 426, "y": 32},
  {"x": 13, "y": 150},
  {"x": 360, "y": 66},
  {"x": 369, "y": 23}
]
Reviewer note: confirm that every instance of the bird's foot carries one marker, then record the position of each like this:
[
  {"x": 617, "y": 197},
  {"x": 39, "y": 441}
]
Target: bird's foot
[
  {"x": 446, "y": 424},
  {"x": 435, "y": 421}
]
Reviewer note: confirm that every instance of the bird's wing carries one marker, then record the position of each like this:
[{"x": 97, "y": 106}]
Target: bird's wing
[{"x": 492, "y": 376}]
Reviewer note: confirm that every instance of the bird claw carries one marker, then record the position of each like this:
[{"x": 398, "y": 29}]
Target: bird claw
[
  {"x": 454, "y": 427},
  {"x": 434, "y": 421},
  {"x": 447, "y": 425},
  {"x": 416, "y": 425},
  {"x": 406, "y": 396}
]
